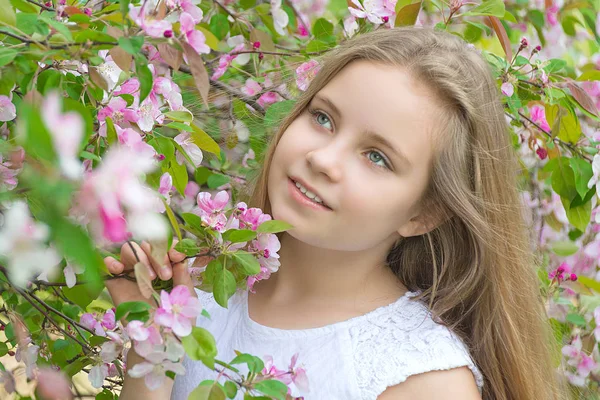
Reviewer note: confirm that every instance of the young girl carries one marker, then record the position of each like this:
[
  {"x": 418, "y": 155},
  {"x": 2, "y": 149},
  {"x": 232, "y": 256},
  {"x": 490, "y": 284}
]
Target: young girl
[{"x": 409, "y": 272}]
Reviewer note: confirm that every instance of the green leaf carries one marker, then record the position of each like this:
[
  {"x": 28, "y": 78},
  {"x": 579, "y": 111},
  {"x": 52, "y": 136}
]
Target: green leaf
[
  {"x": 132, "y": 45},
  {"x": 563, "y": 122},
  {"x": 58, "y": 26},
  {"x": 105, "y": 395},
  {"x": 211, "y": 40},
  {"x": 111, "y": 132},
  {"x": 248, "y": 262},
  {"x": 407, "y": 15},
  {"x": 274, "y": 226},
  {"x": 131, "y": 307},
  {"x": 216, "y": 180},
  {"x": 578, "y": 216},
  {"x": 239, "y": 235},
  {"x": 322, "y": 28},
  {"x": 206, "y": 392},
  {"x": 181, "y": 116},
  {"x": 230, "y": 389},
  {"x": 180, "y": 176},
  {"x": 493, "y": 8},
  {"x": 144, "y": 75},
  {"x": 34, "y": 137},
  {"x": 7, "y": 15},
  {"x": 180, "y": 126},
  {"x": 172, "y": 220},
  {"x": 7, "y": 55},
  {"x": 564, "y": 248},
  {"x": 204, "y": 141},
  {"x": 187, "y": 246},
  {"x": 200, "y": 345},
  {"x": 589, "y": 283},
  {"x": 80, "y": 295},
  {"x": 254, "y": 363},
  {"x": 583, "y": 173},
  {"x": 576, "y": 319},
  {"x": 192, "y": 220},
  {"x": 555, "y": 65},
  {"x": 224, "y": 286},
  {"x": 3, "y": 349},
  {"x": 273, "y": 388},
  {"x": 219, "y": 26},
  {"x": 563, "y": 179},
  {"x": 95, "y": 36}
]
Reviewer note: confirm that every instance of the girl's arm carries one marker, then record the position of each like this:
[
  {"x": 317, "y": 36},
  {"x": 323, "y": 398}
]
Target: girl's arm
[
  {"x": 135, "y": 388},
  {"x": 452, "y": 384}
]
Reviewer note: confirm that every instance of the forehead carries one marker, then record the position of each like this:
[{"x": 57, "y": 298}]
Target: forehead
[{"x": 386, "y": 100}]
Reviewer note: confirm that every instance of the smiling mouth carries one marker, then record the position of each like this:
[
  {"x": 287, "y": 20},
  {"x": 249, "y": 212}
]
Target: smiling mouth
[{"x": 303, "y": 195}]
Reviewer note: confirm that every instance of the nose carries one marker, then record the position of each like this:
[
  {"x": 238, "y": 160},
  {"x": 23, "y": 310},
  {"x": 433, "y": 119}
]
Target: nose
[{"x": 326, "y": 160}]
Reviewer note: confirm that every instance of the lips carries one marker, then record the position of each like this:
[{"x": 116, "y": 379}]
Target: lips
[{"x": 311, "y": 189}]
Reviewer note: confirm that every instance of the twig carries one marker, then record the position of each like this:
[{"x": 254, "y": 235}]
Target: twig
[
  {"x": 83, "y": 345},
  {"x": 55, "y": 47},
  {"x": 72, "y": 322},
  {"x": 232, "y": 14},
  {"x": 45, "y": 7}
]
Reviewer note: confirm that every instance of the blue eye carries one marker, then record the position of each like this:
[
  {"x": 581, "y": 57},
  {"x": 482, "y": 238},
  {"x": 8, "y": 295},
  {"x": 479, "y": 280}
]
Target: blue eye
[
  {"x": 378, "y": 159},
  {"x": 316, "y": 114}
]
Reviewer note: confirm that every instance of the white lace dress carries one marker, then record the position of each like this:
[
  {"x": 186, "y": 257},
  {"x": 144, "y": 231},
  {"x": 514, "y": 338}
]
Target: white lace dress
[{"x": 353, "y": 359}]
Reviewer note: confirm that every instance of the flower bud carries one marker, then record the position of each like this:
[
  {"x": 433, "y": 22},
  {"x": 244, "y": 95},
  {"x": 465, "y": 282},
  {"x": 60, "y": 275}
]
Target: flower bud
[
  {"x": 256, "y": 45},
  {"x": 385, "y": 19},
  {"x": 573, "y": 277},
  {"x": 524, "y": 42},
  {"x": 168, "y": 33},
  {"x": 538, "y": 48},
  {"x": 261, "y": 56},
  {"x": 542, "y": 153},
  {"x": 87, "y": 11}
]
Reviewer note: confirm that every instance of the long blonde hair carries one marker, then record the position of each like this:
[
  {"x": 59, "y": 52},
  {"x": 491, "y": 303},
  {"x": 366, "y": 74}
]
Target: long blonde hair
[{"x": 476, "y": 270}]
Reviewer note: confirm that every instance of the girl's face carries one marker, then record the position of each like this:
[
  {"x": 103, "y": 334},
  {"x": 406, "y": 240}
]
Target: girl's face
[{"x": 372, "y": 188}]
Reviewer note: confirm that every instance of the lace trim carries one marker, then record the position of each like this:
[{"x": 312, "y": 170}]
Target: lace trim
[{"x": 390, "y": 347}]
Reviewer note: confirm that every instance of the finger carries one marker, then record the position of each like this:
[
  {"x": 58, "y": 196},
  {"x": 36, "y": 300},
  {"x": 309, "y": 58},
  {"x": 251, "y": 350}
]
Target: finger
[
  {"x": 163, "y": 270},
  {"x": 114, "y": 267},
  {"x": 174, "y": 255},
  {"x": 128, "y": 258},
  {"x": 181, "y": 276}
]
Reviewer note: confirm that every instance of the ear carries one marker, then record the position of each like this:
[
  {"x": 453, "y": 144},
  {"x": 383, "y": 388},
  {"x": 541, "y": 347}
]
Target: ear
[{"x": 425, "y": 221}]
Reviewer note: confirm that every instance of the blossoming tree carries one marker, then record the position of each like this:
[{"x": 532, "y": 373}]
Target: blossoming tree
[{"x": 143, "y": 119}]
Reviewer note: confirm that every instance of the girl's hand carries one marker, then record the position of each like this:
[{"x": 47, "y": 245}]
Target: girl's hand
[{"x": 173, "y": 266}]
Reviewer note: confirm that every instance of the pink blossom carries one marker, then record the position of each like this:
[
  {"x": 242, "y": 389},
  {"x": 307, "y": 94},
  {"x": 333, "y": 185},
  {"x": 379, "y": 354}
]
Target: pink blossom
[
  {"x": 132, "y": 139},
  {"x": 552, "y": 15},
  {"x": 130, "y": 86},
  {"x": 93, "y": 322},
  {"x": 149, "y": 112},
  {"x": 66, "y": 130},
  {"x": 136, "y": 330},
  {"x": 194, "y": 37},
  {"x": 305, "y": 73},
  {"x": 372, "y": 10},
  {"x": 211, "y": 210},
  {"x": 53, "y": 385},
  {"x": 153, "y": 27},
  {"x": 8, "y": 111},
  {"x": 538, "y": 115},
  {"x": 8, "y": 176},
  {"x": 115, "y": 201},
  {"x": 268, "y": 98},
  {"x": 118, "y": 112},
  {"x": 177, "y": 309},
  {"x": 191, "y": 148},
  {"x": 251, "y": 87},
  {"x": 507, "y": 89},
  {"x": 577, "y": 358},
  {"x": 154, "y": 374}
]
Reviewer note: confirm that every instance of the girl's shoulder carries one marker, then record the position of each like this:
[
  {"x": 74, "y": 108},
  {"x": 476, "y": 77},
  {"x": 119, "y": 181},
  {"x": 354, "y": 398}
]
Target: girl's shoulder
[{"x": 401, "y": 341}]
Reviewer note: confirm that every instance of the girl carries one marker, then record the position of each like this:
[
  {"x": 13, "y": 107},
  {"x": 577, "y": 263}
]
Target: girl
[{"x": 409, "y": 272}]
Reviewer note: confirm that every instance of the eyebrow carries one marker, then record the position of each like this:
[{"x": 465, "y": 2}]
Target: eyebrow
[{"x": 376, "y": 137}]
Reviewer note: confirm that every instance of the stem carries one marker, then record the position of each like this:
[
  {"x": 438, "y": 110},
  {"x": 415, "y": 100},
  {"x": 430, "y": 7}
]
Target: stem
[
  {"x": 45, "y": 7},
  {"x": 76, "y": 324},
  {"x": 83, "y": 345}
]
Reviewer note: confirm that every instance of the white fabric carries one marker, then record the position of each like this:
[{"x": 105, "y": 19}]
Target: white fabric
[{"x": 354, "y": 359}]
